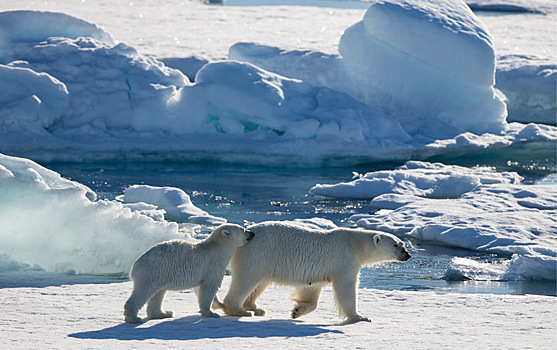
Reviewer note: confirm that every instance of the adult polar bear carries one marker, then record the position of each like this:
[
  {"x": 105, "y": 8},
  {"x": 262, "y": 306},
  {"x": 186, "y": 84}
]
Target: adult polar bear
[
  {"x": 307, "y": 259},
  {"x": 178, "y": 265}
]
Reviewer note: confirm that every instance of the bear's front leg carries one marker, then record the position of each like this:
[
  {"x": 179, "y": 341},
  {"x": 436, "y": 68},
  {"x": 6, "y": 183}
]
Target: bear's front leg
[
  {"x": 241, "y": 287},
  {"x": 344, "y": 287},
  {"x": 206, "y": 292}
]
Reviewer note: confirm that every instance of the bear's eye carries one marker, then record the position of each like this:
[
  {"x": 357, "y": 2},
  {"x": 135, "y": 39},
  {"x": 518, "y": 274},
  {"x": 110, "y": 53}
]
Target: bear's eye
[{"x": 396, "y": 245}]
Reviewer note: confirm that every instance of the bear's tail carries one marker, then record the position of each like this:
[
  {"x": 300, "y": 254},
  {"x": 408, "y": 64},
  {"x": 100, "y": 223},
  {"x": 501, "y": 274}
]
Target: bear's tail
[{"x": 217, "y": 304}]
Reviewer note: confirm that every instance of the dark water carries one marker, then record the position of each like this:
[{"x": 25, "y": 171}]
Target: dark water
[{"x": 244, "y": 194}]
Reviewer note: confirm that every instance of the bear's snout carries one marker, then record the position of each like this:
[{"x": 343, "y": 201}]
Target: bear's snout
[
  {"x": 407, "y": 256},
  {"x": 250, "y": 235}
]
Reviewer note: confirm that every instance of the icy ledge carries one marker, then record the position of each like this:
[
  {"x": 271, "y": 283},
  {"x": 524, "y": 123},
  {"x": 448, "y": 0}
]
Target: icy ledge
[
  {"x": 48, "y": 222},
  {"x": 422, "y": 179},
  {"x": 429, "y": 64},
  {"x": 497, "y": 217},
  {"x": 74, "y": 97},
  {"x": 476, "y": 209},
  {"x": 175, "y": 202}
]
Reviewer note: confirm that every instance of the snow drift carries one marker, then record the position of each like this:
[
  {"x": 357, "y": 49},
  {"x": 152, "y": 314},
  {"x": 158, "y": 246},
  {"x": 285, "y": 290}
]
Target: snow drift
[
  {"x": 55, "y": 224},
  {"x": 175, "y": 202},
  {"x": 35, "y": 26},
  {"x": 475, "y": 209},
  {"x": 399, "y": 67},
  {"x": 429, "y": 64},
  {"x": 75, "y": 95},
  {"x": 497, "y": 218},
  {"x": 98, "y": 100}
]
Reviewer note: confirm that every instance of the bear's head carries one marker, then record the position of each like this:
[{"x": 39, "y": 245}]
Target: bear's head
[
  {"x": 234, "y": 234},
  {"x": 390, "y": 247}
]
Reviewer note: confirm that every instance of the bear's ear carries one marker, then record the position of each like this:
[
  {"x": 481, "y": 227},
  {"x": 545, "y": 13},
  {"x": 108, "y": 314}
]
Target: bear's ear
[{"x": 376, "y": 239}]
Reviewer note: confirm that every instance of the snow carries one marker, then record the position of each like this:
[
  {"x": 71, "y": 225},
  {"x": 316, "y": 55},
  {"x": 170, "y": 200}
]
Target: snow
[
  {"x": 497, "y": 218},
  {"x": 114, "y": 92},
  {"x": 51, "y": 223},
  {"x": 435, "y": 87},
  {"x": 33, "y": 26},
  {"x": 175, "y": 202},
  {"x": 120, "y": 80},
  {"x": 430, "y": 180},
  {"x": 82, "y": 98},
  {"x": 88, "y": 314}
]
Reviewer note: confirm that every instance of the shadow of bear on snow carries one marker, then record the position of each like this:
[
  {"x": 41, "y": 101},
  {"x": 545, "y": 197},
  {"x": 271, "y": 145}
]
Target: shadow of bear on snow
[{"x": 196, "y": 327}]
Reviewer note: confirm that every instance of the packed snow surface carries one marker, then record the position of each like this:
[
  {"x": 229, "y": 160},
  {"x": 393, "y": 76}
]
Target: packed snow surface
[{"x": 78, "y": 312}]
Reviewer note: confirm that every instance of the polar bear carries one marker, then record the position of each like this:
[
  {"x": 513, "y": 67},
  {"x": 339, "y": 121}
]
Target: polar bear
[
  {"x": 307, "y": 259},
  {"x": 179, "y": 265}
]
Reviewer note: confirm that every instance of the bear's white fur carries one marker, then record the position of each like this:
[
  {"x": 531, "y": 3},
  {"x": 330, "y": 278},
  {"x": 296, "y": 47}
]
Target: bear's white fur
[
  {"x": 307, "y": 259},
  {"x": 179, "y": 265}
]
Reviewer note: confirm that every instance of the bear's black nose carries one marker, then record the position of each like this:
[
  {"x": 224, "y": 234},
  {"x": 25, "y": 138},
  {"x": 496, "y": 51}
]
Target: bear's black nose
[
  {"x": 250, "y": 235},
  {"x": 407, "y": 257}
]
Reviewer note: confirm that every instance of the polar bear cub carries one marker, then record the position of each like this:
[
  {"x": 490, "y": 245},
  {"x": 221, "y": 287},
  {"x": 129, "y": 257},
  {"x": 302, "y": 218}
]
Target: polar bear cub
[
  {"x": 307, "y": 259},
  {"x": 179, "y": 265}
]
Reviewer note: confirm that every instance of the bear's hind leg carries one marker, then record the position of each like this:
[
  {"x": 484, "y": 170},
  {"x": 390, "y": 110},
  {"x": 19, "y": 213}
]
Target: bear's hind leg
[
  {"x": 154, "y": 306},
  {"x": 306, "y": 299},
  {"x": 135, "y": 302},
  {"x": 249, "y": 304}
]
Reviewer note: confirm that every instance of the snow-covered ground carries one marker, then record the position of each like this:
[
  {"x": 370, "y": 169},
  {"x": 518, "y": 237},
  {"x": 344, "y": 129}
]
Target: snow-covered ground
[{"x": 89, "y": 315}]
